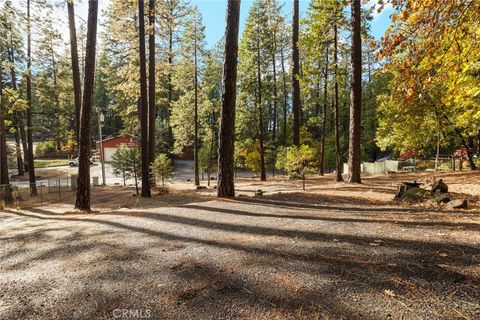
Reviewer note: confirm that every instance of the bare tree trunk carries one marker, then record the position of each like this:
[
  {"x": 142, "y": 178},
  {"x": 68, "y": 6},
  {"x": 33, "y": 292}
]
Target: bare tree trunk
[
  {"x": 355, "y": 132},
  {"x": 324, "y": 120},
  {"x": 31, "y": 166},
  {"x": 263, "y": 176},
  {"x": 152, "y": 111},
  {"x": 285, "y": 98},
  {"x": 226, "y": 144},
  {"x": 83, "y": 182},
  {"x": 297, "y": 107},
  {"x": 338, "y": 164},
  {"x": 195, "y": 142},
  {"x": 77, "y": 85},
  {"x": 143, "y": 112}
]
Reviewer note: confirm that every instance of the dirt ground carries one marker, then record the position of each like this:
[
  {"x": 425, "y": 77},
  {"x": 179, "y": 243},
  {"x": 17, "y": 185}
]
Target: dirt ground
[{"x": 334, "y": 251}]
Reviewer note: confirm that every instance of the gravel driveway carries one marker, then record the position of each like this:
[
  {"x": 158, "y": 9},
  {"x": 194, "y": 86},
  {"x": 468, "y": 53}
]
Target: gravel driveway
[{"x": 284, "y": 256}]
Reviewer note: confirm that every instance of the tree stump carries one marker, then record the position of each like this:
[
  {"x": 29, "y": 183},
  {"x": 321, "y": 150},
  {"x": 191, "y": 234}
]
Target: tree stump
[
  {"x": 402, "y": 189},
  {"x": 440, "y": 186}
]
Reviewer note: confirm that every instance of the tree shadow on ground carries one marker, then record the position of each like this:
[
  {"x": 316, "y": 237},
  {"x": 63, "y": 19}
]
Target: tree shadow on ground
[
  {"x": 346, "y": 203},
  {"x": 422, "y": 250},
  {"x": 112, "y": 198},
  {"x": 253, "y": 271},
  {"x": 413, "y": 224}
]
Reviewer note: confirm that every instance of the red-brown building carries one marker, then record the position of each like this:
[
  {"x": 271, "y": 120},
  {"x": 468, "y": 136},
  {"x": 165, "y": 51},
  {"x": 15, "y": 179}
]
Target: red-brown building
[{"x": 111, "y": 145}]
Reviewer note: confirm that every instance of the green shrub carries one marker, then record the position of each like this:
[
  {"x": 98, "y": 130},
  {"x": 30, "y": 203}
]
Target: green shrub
[
  {"x": 297, "y": 161},
  {"x": 45, "y": 147},
  {"x": 126, "y": 163},
  {"x": 248, "y": 155},
  {"x": 280, "y": 162},
  {"x": 425, "y": 164},
  {"x": 445, "y": 166},
  {"x": 16, "y": 193},
  {"x": 162, "y": 168},
  {"x": 11, "y": 156}
]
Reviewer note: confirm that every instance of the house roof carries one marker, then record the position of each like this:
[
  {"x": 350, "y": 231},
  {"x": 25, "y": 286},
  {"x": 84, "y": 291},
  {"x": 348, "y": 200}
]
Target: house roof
[{"x": 117, "y": 141}]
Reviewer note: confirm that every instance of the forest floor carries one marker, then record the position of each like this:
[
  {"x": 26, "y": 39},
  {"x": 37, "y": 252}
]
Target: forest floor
[{"x": 334, "y": 251}]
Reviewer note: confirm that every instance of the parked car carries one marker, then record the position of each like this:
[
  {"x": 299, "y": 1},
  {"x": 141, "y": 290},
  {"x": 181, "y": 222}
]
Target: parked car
[{"x": 74, "y": 162}]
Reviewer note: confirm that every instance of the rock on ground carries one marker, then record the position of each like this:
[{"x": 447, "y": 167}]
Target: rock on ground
[{"x": 457, "y": 204}]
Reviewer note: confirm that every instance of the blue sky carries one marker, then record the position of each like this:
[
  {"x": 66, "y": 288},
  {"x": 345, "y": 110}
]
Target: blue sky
[{"x": 213, "y": 12}]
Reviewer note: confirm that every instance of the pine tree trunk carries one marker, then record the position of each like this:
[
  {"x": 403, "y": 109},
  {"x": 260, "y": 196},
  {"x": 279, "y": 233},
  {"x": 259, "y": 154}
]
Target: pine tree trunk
[
  {"x": 226, "y": 144},
  {"x": 152, "y": 110},
  {"x": 338, "y": 163},
  {"x": 275, "y": 106},
  {"x": 195, "y": 142},
  {"x": 143, "y": 110},
  {"x": 263, "y": 176},
  {"x": 169, "y": 83},
  {"x": 170, "y": 65},
  {"x": 31, "y": 167},
  {"x": 18, "y": 150},
  {"x": 295, "y": 76},
  {"x": 285, "y": 98},
  {"x": 20, "y": 127},
  {"x": 23, "y": 136},
  {"x": 324, "y": 120},
  {"x": 135, "y": 176},
  {"x": 5, "y": 190},
  {"x": 478, "y": 143},
  {"x": 437, "y": 153},
  {"x": 18, "y": 123},
  {"x": 83, "y": 182},
  {"x": 57, "y": 100},
  {"x": 373, "y": 153},
  {"x": 77, "y": 85},
  {"x": 355, "y": 131},
  {"x": 212, "y": 142}
]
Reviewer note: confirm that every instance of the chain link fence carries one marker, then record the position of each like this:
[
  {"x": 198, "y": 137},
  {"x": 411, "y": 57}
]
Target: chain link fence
[
  {"x": 443, "y": 164},
  {"x": 431, "y": 164},
  {"x": 51, "y": 190}
]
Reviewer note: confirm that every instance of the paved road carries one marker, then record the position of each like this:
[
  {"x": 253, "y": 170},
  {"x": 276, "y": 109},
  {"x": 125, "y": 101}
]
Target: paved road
[{"x": 183, "y": 172}]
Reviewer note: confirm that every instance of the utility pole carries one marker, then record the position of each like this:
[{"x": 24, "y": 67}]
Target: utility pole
[{"x": 101, "y": 119}]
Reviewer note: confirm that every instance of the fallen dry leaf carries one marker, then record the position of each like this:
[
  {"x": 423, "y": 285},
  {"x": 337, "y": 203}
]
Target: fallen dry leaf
[{"x": 389, "y": 292}]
